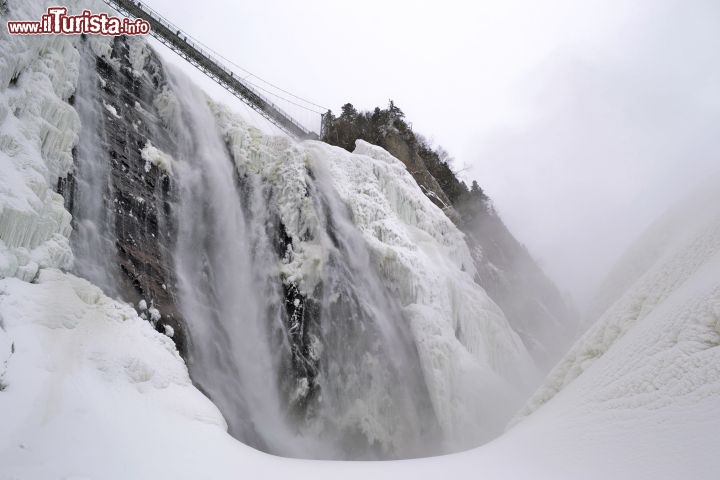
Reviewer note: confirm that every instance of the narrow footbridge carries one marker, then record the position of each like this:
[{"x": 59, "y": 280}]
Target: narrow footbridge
[{"x": 206, "y": 62}]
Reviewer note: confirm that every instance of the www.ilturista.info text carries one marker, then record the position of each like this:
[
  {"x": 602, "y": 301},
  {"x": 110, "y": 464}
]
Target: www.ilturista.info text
[{"x": 57, "y": 21}]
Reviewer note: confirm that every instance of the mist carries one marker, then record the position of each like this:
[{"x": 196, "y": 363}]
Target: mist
[{"x": 612, "y": 134}]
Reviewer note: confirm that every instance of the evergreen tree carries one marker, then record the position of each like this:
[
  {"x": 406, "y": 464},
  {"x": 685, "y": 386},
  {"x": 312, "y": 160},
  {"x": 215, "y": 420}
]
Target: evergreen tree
[
  {"x": 349, "y": 113},
  {"x": 374, "y": 127}
]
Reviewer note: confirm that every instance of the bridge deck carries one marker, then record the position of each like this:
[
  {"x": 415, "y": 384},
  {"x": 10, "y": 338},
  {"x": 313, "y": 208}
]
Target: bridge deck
[{"x": 180, "y": 43}]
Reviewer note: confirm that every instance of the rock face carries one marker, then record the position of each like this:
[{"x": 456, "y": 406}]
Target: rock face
[
  {"x": 138, "y": 195},
  {"x": 408, "y": 154}
]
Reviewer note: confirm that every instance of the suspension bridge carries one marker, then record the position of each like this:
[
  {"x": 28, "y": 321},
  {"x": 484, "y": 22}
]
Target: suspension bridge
[{"x": 210, "y": 64}]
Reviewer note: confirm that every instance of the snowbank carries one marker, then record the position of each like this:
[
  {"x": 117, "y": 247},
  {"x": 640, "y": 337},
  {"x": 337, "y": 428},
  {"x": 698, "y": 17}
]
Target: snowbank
[
  {"x": 88, "y": 383},
  {"x": 638, "y": 396}
]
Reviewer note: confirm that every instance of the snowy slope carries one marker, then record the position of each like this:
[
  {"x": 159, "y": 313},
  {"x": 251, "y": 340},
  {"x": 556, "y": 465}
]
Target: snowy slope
[
  {"x": 638, "y": 396},
  {"x": 86, "y": 376},
  {"x": 675, "y": 250}
]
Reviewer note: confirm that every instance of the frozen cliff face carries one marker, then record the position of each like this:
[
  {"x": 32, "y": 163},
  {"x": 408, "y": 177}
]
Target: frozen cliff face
[
  {"x": 120, "y": 192},
  {"x": 510, "y": 276},
  {"x": 504, "y": 268},
  {"x": 75, "y": 113},
  {"x": 366, "y": 211},
  {"x": 39, "y": 129}
]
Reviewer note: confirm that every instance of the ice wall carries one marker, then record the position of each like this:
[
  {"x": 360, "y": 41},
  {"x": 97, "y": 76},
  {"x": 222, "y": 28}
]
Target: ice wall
[{"x": 38, "y": 130}]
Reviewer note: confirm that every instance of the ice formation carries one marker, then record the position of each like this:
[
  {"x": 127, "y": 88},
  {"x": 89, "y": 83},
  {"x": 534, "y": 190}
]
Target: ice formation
[
  {"x": 472, "y": 361},
  {"x": 38, "y": 76},
  {"x": 39, "y": 129},
  {"x": 153, "y": 156}
]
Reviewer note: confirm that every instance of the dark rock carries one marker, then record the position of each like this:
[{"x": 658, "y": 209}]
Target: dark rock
[{"x": 139, "y": 195}]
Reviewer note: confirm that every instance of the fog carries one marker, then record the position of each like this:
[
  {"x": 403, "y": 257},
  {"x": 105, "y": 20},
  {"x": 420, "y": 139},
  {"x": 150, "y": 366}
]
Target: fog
[
  {"x": 582, "y": 120},
  {"x": 613, "y": 136}
]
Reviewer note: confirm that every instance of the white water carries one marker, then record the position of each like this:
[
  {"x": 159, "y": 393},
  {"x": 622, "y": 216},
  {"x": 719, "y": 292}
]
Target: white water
[
  {"x": 331, "y": 307},
  {"x": 231, "y": 298},
  {"x": 370, "y": 376},
  {"x": 93, "y": 238},
  {"x": 220, "y": 301}
]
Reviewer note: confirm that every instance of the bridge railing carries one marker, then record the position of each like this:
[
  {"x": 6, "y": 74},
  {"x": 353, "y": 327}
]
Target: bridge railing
[{"x": 182, "y": 44}]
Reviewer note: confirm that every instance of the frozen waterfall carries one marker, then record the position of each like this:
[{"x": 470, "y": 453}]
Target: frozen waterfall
[
  {"x": 242, "y": 341},
  {"x": 326, "y": 305}
]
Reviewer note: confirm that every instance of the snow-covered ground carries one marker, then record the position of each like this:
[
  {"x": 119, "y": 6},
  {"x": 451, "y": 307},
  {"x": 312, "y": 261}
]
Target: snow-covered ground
[{"x": 93, "y": 392}]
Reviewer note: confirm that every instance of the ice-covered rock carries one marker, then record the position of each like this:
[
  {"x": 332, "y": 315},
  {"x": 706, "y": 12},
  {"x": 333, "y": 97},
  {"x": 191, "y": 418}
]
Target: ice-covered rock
[
  {"x": 38, "y": 130},
  {"x": 154, "y": 156},
  {"x": 473, "y": 363}
]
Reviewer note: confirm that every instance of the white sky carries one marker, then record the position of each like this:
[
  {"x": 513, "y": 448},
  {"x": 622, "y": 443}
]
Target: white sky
[{"x": 583, "y": 120}]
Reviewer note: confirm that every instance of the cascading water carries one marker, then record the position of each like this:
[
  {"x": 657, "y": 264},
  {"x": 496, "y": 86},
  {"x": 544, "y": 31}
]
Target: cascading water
[
  {"x": 93, "y": 212},
  {"x": 323, "y": 303},
  {"x": 229, "y": 354},
  {"x": 372, "y": 387},
  {"x": 320, "y": 299},
  {"x": 365, "y": 396}
]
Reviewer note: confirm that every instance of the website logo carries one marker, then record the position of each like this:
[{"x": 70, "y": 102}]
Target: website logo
[{"x": 57, "y": 22}]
